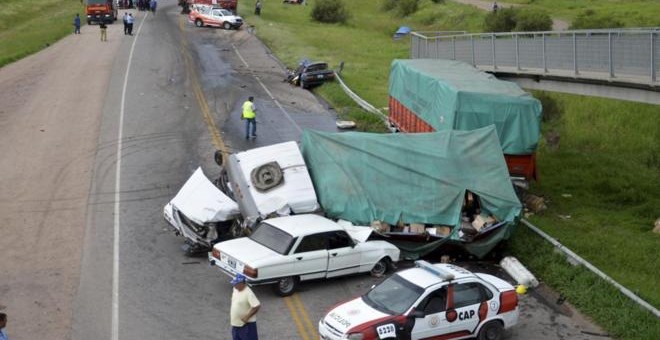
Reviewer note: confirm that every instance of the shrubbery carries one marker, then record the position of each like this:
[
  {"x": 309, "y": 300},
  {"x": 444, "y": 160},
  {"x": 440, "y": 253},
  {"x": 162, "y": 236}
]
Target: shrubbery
[
  {"x": 438, "y": 1},
  {"x": 389, "y": 5},
  {"x": 330, "y": 11},
  {"x": 403, "y": 7},
  {"x": 519, "y": 20},
  {"x": 589, "y": 19}
]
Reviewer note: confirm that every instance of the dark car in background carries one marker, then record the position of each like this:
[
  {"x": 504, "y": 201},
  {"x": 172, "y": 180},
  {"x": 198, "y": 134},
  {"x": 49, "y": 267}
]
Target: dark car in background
[{"x": 310, "y": 74}]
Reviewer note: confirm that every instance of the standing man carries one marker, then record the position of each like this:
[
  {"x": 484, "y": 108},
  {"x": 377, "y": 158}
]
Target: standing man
[
  {"x": 129, "y": 23},
  {"x": 125, "y": 19},
  {"x": 104, "y": 31},
  {"x": 250, "y": 116},
  {"x": 3, "y": 323},
  {"x": 76, "y": 24},
  {"x": 257, "y": 8},
  {"x": 244, "y": 307},
  {"x": 153, "y": 4}
]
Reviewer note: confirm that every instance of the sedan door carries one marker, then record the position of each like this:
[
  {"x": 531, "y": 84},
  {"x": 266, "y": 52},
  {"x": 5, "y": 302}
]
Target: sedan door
[
  {"x": 311, "y": 257},
  {"x": 343, "y": 258}
]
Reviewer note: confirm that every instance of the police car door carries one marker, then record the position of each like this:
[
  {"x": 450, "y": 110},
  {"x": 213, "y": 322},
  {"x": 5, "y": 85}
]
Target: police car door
[
  {"x": 434, "y": 322},
  {"x": 463, "y": 307},
  {"x": 216, "y": 17}
]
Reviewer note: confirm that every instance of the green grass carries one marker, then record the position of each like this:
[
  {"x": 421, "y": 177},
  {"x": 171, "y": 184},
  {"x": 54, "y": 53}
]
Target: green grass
[
  {"x": 23, "y": 33},
  {"x": 632, "y": 13}
]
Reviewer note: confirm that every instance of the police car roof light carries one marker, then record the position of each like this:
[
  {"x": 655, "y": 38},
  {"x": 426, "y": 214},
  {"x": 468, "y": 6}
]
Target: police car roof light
[{"x": 443, "y": 274}]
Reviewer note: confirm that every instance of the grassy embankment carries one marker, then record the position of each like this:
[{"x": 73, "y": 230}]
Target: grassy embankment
[
  {"x": 632, "y": 13},
  {"x": 27, "y": 26},
  {"x": 605, "y": 174}
]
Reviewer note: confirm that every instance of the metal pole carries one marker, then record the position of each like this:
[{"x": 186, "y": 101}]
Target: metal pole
[
  {"x": 609, "y": 45},
  {"x": 653, "y": 57},
  {"x": 453, "y": 48},
  {"x": 492, "y": 43},
  {"x": 591, "y": 267},
  {"x": 472, "y": 42},
  {"x": 517, "y": 54},
  {"x": 575, "y": 63},
  {"x": 426, "y": 48},
  {"x": 545, "y": 61}
]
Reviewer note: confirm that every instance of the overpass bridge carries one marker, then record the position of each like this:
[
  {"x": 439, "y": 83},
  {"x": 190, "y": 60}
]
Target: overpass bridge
[{"x": 615, "y": 63}]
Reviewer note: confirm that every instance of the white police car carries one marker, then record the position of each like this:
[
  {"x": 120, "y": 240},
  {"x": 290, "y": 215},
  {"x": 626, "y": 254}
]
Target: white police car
[{"x": 428, "y": 301}]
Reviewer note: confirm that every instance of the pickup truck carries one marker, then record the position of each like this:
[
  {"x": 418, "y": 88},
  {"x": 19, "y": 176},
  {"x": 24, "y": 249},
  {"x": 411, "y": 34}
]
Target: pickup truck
[
  {"x": 309, "y": 74},
  {"x": 203, "y": 15}
]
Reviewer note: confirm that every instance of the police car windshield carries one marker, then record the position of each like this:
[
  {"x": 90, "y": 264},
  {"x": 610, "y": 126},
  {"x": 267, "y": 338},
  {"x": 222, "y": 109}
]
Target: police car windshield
[{"x": 393, "y": 296}]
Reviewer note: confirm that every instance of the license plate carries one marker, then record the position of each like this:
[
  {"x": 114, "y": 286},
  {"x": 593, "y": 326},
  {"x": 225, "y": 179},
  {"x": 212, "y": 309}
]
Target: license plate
[
  {"x": 320, "y": 76},
  {"x": 231, "y": 263}
]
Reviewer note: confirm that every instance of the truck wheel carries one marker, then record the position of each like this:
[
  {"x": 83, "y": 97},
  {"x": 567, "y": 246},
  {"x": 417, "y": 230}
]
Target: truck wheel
[
  {"x": 380, "y": 268},
  {"x": 285, "y": 286},
  {"x": 226, "y": 25},
  {"x": 199, "y": 23},
  {"x": 491, "y": 331},
  {"x": 89, "y": 22}
]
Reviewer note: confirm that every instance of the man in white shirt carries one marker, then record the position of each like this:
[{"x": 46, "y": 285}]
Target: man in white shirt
[{"x": 244, "y": 307}]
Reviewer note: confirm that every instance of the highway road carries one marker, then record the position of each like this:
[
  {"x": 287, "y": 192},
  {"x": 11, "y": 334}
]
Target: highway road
[{"x": 172, "y": 99}]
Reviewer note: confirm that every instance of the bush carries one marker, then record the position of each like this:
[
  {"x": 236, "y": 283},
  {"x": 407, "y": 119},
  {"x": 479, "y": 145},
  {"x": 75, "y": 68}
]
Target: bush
[
  {"x": 532, "y": 20},
  {"x": 504, "y": 20},
  {"x": 388, "y": 5},
  {"x": 589, "y": 19},
  {"x": 552, "y": 108},
  {"x": 330, "y": 11},
  {"x": 438, "y": 1},
  {"x": 408, "y": 7}
]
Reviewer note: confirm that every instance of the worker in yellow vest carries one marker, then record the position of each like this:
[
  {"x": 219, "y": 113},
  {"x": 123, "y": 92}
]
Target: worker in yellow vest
[{"x": 250, "y": 116}]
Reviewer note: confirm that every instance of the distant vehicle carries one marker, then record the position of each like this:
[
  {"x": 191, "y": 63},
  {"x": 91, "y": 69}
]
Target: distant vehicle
[
  {"x": 286, "y": 250},
  {"x": 230, "y": 5},
  {"x": 101, "y": 10},
  {"x": 202, "y": 15},
  {"x": 431, "y": 301},
  {"x": 309, "y": 74}
]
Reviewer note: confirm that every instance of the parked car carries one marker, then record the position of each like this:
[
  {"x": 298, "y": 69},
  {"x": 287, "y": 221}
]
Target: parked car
[
  {"x": 440, "y": 301},
  {"x": 286, "y": 250},
  {"x": 203, "y": 15},
  {"x": 310, "y": 74}
]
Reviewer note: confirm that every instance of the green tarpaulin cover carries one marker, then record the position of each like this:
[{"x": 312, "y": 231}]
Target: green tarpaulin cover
[
  {"x": 453, "y": 95},
  {"x": 413, "y": 178}
]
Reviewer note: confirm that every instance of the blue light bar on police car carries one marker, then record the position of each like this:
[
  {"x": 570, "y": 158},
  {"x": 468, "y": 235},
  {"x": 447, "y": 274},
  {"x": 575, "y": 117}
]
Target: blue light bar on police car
[{"x": 443, "y": 274}]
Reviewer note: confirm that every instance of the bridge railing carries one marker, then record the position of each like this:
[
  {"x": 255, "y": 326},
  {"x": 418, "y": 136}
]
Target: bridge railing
[{"x": 627, "y": 55}]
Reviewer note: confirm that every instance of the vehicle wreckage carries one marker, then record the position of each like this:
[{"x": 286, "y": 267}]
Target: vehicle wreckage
[{"x": 419, "y": 192}]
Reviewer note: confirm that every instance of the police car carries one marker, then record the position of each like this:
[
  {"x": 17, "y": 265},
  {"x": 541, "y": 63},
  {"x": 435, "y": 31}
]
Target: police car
[{"x": 441, "y": 301}]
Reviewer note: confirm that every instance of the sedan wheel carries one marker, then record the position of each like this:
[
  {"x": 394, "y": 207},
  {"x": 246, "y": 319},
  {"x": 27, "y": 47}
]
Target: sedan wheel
[
  {"x": 380, "y": 268},
  {"x": 491, "y": 331},
  {"x": 226, "y": 25},
  {"x": 199, "y": 23},
  {"x": 285, "y": 286}
]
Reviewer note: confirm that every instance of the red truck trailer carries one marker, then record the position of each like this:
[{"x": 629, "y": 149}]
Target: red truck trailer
[
  {"x": 101, "y": 10},
  {"x": 427, "y": 95}
]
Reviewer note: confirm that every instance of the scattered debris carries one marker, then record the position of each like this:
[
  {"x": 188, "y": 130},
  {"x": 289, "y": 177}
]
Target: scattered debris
[
  {"x": 566, "y": 195},
  {"x": 564, "y": 217},
  {"x": 535, "y": 203},
  {"x": 657, "y": 226},
  {"x": 345, "y": 124}
]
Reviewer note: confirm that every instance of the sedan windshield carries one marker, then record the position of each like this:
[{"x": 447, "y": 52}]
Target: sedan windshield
[
  {"x": 393, "y": 296},
  {"x": 273, "y": 238}
]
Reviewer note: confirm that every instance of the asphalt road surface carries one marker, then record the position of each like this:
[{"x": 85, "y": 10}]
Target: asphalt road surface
[{"x": 100, "y": 136}]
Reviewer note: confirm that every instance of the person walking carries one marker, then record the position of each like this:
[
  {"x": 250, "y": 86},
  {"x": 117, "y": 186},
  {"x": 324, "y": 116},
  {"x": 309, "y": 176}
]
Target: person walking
[
  {"x": 153, "y": 4},
  {"x": 495, "y": 6},
  {"x": 257, "y": 8},
  {"x": 244, "y": 307},
  {"x": 3, "y": 324},
  {"x": 250, "y": 116},
  {"x": 76, "y": 24},
  {"x": 129, "y": 22},
  {"x": 104, "y": 31},
  {"x": 125, "y": 19}
]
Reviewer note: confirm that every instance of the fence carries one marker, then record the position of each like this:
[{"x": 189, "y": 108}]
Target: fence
[{"x": 628, "y": 55}]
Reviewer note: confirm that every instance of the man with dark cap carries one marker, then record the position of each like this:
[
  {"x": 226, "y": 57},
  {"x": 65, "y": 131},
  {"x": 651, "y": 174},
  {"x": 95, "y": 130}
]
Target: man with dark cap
[{"x": 244, "y": 307}]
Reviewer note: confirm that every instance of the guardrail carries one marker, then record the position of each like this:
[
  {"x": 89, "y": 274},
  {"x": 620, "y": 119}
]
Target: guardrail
[{"x": 625, "y": 55}]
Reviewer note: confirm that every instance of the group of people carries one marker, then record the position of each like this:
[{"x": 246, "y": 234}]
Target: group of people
[
  {"x": 128, "y": 23},
  {"x": 147, "y": 5}
]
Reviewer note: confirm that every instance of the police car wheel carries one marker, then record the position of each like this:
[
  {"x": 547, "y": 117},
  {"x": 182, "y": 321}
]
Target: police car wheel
[
  {"x": 226, "y": 25},
  {"x": 286, "y": 286},
  {"x": 199, "y": 23},
  {"x": 380, "y": 268},
  {"x": 491, "y": 331}
]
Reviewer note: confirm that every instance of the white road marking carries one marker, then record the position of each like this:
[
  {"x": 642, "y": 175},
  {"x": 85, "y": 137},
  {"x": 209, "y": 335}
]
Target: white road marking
[
  {"x": 115, "y": 248},
  {"x": 267, "y": 91}
]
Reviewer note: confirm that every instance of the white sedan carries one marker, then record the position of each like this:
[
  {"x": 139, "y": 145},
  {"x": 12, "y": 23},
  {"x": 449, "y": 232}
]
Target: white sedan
[
  {"x": 286, "y": 250},
  {"x": 431, "y": 301}
]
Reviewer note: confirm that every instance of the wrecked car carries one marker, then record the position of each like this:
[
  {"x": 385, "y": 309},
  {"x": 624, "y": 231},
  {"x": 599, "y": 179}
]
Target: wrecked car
[{"x": 309, "y": 74}]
